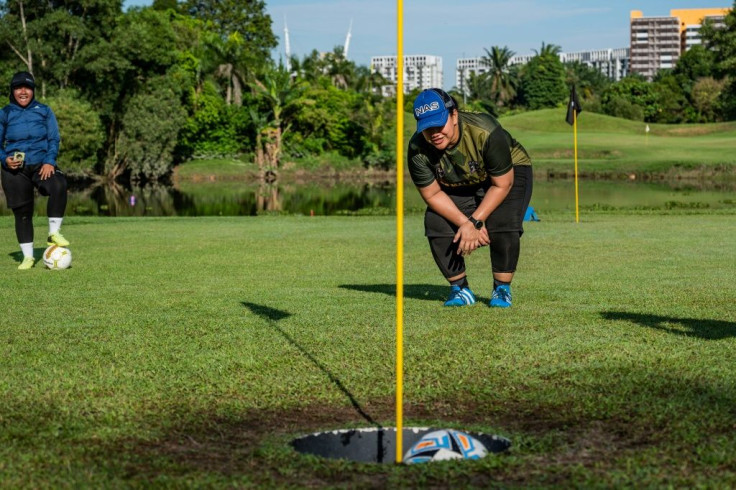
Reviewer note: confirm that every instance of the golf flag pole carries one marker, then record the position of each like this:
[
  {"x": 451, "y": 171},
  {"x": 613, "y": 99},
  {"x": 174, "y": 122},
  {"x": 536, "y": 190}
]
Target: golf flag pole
[
  {"x": 399, "y": 230},
  {"x": 575, "y": 146},
  {"x": 573, "y": 109}
]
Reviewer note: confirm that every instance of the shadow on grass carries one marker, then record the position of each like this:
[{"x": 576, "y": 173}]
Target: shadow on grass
[
  {"x": 690, "y": 327},
  {"x": 273, "y": 316},
  {"x": 267, "y": 313},
  {"x": 18, "y": 255},
  {"x": 430, "y": 292}
]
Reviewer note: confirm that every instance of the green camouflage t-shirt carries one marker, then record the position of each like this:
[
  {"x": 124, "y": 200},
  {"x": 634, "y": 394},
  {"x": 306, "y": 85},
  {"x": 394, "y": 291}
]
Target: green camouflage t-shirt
[{"x": 484, "y": 150}]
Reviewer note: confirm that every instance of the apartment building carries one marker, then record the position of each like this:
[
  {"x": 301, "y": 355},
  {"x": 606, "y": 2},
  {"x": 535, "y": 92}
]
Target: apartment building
[
  {"x": 658, "y": 42},
  {"x": 692, "y": 19},
  {"x": 613, "y": 63},
  {"x": 464, "y": 68},
  {"x": 420, "y": 71},
  {"x": 655, "y": 43}
]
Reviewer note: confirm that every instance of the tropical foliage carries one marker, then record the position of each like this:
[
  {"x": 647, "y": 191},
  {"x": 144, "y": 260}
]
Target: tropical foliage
[
  {"x": 700, "y": 88},
  {"x": 138, "y": 92}
]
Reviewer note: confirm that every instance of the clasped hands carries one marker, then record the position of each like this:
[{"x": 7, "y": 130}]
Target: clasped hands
[{"x": 469, "y": 238}]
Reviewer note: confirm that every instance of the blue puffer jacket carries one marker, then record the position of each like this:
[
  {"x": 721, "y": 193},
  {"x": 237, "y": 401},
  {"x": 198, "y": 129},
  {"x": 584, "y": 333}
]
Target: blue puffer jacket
[{"x": 32, "y": 130}]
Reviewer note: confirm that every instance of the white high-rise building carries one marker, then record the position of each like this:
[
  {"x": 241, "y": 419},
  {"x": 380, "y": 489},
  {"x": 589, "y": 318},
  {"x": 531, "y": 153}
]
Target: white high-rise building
[
  {"x": 475, "y": 66},
  {"x": 521, "y": 59},
  {"x": 467, "y": 67},
  {"x": 420, "y": 71},
  {"x": 613, "y": 63}
]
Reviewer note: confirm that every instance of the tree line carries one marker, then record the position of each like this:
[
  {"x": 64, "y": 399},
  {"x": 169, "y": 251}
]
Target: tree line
[
  {"x": 137, "y": 92},
  {"x": 700, "y": 88}
]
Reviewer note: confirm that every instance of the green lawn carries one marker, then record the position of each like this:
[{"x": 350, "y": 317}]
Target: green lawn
[
  {"x": 607, "y": 146},
  {"x": 611, "y": 145},
  {"x": 188, "y": 352}
]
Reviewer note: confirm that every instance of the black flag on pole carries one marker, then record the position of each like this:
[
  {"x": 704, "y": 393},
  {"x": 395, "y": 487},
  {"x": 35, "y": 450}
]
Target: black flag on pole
[{"x": 573, "y": 105}]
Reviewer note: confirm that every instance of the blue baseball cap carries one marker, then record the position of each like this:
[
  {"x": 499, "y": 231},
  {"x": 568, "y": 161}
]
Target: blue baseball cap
[{"x": 431, "y": 109}]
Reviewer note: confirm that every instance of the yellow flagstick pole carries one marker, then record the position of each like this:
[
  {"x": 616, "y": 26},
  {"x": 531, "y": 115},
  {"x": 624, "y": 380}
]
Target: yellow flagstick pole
[
  {"x": 400, "y": 232},
  {"x": 575, "y": 138}
]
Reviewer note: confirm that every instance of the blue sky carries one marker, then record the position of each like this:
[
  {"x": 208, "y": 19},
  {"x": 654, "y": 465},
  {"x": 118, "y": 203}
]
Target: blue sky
[{"x": 459, "y": 28}]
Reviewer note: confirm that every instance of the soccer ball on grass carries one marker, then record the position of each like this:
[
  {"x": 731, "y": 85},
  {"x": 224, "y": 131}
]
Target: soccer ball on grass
[{"x": 57, "y": 258}]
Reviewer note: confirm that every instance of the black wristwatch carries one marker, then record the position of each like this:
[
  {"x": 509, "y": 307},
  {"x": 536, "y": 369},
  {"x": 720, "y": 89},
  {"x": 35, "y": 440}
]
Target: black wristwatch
[{"x": 478, "y": 224}]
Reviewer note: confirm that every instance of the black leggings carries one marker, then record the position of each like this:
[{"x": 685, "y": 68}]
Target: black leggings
[
  {"x": 505, "y": 227},
  {"x": 19, "y": 187},
  {"x": 24, "y": 222},
  {"x": 505, "y": 248}
]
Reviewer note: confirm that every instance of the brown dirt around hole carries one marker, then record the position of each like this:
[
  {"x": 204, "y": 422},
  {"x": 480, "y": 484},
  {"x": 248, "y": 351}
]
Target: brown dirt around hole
[{"x": 242, "y": 448}]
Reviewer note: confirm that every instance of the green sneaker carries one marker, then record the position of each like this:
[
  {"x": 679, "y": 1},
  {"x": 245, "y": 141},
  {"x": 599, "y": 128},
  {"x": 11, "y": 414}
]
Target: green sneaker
[
  {"x": 57, "y": 239},
  {"x": 27, "y": 263}
]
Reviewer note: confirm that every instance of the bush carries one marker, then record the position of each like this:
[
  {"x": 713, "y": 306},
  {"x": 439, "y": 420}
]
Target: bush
[
  {"x": 381, "y": 159},
  {"x": 213, "y": 129},
  {"x": 706, "y": 95},
  {"x": 630, "y": 97},
  {"x": 593, "y": 105},
  {"x": 149, "y": 134},
  {"x": 543, "y": 82},
  {"x": 727, "y": 99},
  {"x": 620, "y": 107}
]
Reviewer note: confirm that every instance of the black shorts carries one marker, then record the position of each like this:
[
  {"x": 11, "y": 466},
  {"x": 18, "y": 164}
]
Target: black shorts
[
  {"x": 508, "y": 216},
  {"x": 19, "y": 185}
]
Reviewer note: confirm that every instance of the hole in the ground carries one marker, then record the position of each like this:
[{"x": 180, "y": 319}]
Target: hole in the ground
[{"x": 419, "y": 444}]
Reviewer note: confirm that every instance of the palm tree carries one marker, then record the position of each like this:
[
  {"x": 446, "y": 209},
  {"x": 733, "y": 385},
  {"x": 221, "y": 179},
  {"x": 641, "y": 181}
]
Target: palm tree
[
  {"x": 281, "y": 92},
  {"x": 230, "y": 54},
  {"x": 475, "y": 98},
  {"x": 340, "y": 70},
  {"x": 310, "y": 68},
  {"x": 548, "y": 50},
  {"x": 502, "y": 86},
  {"x": 367, "y": 81},
  {"x": 478, "y": 86}
]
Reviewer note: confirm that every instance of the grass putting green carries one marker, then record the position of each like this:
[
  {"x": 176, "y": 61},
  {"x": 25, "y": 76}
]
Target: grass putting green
[{"x": 190, "y": 351}]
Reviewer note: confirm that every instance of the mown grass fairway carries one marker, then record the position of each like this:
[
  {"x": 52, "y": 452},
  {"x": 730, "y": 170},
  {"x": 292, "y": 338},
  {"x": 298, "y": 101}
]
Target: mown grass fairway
[
  {"x": 190, "y": 351},
  {"x": 609, "y": 145}
]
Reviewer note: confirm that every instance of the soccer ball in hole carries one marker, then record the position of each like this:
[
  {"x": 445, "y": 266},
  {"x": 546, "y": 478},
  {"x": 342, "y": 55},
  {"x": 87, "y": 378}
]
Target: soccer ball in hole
[
  {"x": 445, "y": 444},
  {"x": 57, "y": 258}
]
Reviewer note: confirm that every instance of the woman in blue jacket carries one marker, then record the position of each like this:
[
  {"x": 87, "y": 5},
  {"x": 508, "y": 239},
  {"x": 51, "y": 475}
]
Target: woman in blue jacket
[{"x": 29, "y": 143}]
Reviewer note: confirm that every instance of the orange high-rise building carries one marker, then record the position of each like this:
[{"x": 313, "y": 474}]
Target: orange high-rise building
[{"x": 658, "y": 42}]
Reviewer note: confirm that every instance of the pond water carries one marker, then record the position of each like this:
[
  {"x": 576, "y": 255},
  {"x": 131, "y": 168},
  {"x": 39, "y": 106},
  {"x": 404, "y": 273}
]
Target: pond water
[{"x": 237, "y": 198}]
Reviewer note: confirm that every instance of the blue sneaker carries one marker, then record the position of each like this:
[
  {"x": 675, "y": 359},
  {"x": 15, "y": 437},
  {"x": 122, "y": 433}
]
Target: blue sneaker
[
  {"x": 460, "y": 297},
  {"x": 501, "y": 297}
]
